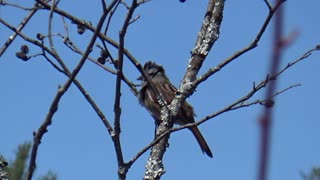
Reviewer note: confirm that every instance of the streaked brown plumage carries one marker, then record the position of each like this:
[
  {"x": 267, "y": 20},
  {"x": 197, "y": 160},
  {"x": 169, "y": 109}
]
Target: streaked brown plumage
[{"x": 149, "y": 100}]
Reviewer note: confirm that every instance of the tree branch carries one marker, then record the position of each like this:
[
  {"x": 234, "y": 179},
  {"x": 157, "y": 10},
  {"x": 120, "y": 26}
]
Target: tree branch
[
  {"x": 251, "y": 46},
  {"x": 54, "y": 105},
  {"x": 90, "y": 27},
  {"x": 20, "y": 27},
  {"x": 240, "y": 103},
  {"x": 122, "y": 169},
  {"x": 266, "y": 119},
  {"x": 209, "y": 33},
  {"x": 67, "y": 72}
]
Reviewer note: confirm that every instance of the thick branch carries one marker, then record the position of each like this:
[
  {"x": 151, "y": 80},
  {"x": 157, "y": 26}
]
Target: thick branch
[
  {"x": 251, "y": 46},
  {"x": 208, "y": 35}
]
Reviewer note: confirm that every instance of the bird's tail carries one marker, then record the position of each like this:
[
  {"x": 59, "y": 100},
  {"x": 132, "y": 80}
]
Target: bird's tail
[{"x": 202, "y": 142}]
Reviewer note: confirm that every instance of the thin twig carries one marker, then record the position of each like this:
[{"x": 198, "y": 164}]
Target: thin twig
[
  {"x": 251, "y": 46},
  {"x": 20, "y": 27},
  {"x": 264, "y": 101},
  {"x": 268, "y": 5},
  {"x": 240, "y": 103},
  {"x": 122, "y": 168},
  {"x": 65, "y": 71},
  {"x": 101, "y": 35},
  {"x": 54, "y": 105},
  {"x": 54, "y": 4},
  {"x": 231, "y": 108},
  {"x": 134, "y": 19},
  {"x": 110, "y": 18},
  {"x": 258, "y": 87},
  {"x": 66, "y": 29},
  {"x": 3, "y": 3},
  {"x": 90, "y": 27},
  {"x": 106, "y": 49}
]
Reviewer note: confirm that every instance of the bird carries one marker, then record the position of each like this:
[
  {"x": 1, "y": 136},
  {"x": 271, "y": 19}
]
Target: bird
[{"x": 148, "y": 99}]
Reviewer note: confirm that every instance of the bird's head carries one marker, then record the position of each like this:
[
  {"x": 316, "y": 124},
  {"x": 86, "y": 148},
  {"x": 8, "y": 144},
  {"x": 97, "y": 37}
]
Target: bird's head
[{"x": 152, "y": 69}]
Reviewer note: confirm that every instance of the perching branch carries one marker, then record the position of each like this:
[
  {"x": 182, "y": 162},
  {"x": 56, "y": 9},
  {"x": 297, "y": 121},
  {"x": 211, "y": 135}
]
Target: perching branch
[
  {"x": 207, "y": 36},
  {"x": 209, "y": 33},
  {"x": 240, "y": 103}
]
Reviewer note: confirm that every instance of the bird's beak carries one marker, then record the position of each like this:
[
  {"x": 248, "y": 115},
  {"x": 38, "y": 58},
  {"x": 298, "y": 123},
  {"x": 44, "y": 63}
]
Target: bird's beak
[{"x": 140, "y": 78}]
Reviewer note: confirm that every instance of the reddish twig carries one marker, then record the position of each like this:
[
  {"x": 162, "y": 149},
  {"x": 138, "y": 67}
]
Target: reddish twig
[{"x": 266, "y": 118}]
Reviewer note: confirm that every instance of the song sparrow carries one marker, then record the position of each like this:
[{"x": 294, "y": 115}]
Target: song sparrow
[{"x": 149, "y": 100}]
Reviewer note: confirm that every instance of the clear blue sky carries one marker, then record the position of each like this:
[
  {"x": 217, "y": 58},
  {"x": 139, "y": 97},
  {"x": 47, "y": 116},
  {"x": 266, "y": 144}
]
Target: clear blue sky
[{"x": 77, "y": 145}]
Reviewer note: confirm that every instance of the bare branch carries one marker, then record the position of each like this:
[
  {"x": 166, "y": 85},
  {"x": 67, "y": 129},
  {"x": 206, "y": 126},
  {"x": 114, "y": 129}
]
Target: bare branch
[
  {"x": 125, "y": 4},
  {"x": 266, "y": 119},
  {"x": 143, "y": 1},
  {"x": 2, "y": 2},
  {"x": 66, "y": 29},
  {"x": 54, "y": 4},
  {"x": 264, "y": 101},
  {"x": 54, "y": 105},
  {"x": 257, "y": 88},
  {"x": 207, "y": 36},
  {"x": 20, "y": 27},
  {"x": 122, "y": 169},
  {"x": 134, "y": 19},
  {"x": 251, "y": 46},
  {"x": 268, "y": 5},
  {"x": 101, "y": 35},
  {"x": 67, "y": 72},
  {"x": 240, "y": 103},
  {"x": 110, "y": 18},
  {"x": 209, "y": 33}
]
